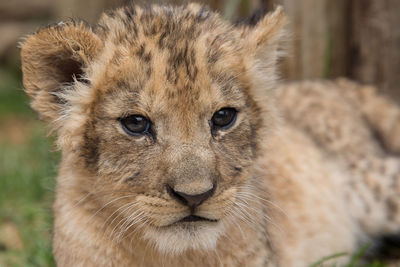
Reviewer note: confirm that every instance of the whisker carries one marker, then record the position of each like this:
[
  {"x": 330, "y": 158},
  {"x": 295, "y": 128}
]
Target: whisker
[
  {"x": 130, "y": 222},
  {"x": 260, "y": 198},
  {"x": 106, "y": 226},
  {"x": 242, "y": 215},
  {"x": 132, "y": 217},
  {"x": 260, "y": 213},
  {"x": 243, "y": 218},
  {"x": 108, "y": 203},
  {"x": 112, "y": 214},
  {"x": 219, "y": 259},
  {"x": 237, "y": 224},
  {"x": 130, "y": 206}
]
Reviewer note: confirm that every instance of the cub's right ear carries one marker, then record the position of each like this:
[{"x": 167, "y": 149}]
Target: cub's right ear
[{"x": 52, "y": 60}]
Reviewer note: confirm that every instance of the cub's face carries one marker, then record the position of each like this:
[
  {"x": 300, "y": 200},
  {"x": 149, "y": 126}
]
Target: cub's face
[{"x": 161, "y": 114}]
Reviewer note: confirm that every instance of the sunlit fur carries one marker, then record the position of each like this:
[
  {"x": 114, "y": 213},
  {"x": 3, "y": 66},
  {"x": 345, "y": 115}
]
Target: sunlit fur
[{"x": 300, "y": 174}]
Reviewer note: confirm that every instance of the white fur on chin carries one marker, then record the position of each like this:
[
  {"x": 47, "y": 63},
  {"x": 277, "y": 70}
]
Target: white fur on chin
[{"x": 176, "y": 239}]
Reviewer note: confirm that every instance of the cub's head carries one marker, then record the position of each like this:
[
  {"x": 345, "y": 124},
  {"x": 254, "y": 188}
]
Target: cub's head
[{"x": 161, "y": 113}]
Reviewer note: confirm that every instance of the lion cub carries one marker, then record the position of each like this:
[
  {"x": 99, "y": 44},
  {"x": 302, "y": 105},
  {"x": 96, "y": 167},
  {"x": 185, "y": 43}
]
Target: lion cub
[{"x": 174, "y": 152}]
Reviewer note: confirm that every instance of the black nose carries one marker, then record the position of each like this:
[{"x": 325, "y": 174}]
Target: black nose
[{"x": 190, "y": 200}]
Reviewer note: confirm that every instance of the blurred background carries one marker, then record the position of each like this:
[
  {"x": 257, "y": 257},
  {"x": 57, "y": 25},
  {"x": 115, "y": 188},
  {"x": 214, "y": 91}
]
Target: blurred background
[{"x": 358, "y": 39}]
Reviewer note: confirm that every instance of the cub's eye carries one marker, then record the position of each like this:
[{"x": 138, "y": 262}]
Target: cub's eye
[
  {"x": 224, "y": 118},
  {"x": 135, "y": 125}
]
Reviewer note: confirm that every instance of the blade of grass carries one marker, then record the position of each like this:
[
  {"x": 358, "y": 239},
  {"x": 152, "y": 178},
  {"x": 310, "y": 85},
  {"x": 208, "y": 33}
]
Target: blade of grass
[
  {"x": 337, "y": 255},
  {"x": 358, "y": 255}
]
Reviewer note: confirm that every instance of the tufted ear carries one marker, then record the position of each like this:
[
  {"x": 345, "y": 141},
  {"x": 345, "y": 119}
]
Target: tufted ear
[
  {"x": 264, "y": 38},
  {"x": 263, "y": 43},
  {"x": 53, "y": 59},
  {"x": 269, "y": 30}
]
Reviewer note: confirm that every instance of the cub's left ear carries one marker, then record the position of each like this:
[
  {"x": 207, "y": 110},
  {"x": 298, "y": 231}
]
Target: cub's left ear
[
  {"x": 262, "y": 41},
  {"x": 52, "y": 59}
]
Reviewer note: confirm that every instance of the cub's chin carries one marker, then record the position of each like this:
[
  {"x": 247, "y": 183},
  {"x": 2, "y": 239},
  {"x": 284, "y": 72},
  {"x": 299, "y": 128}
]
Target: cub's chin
[{"x": 185, "y": 235}]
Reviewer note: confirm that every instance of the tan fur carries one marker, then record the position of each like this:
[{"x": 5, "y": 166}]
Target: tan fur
[{"x": 289, "y": 189}]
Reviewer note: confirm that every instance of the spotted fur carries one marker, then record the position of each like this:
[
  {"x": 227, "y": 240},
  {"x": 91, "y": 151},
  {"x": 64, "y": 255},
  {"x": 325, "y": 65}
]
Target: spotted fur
[{"x": 287, "y": 190}]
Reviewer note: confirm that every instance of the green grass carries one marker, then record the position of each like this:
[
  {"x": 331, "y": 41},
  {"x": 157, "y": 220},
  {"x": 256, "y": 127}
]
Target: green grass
[
  {"x": 26, "y": 180},
  {"x": 354, "y": 261},
  {"x": 13, "y": 101},
  {"x": 27, "y": 171}
]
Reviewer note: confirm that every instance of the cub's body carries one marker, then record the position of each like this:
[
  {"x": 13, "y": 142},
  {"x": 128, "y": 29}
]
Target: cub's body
[{"x": 230, "y": 169}]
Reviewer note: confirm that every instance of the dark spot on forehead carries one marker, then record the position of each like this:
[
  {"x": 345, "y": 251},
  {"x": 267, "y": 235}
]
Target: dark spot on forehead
[
  {"x": 182, "y": 58},
  {"x": 144, "y": 55},
  {"x": 122, "y": 84},
  {"x": 129, "y": 12},
  {"x": 111, "y": 13},
  {"x": 213, "y": 53},
  {"x": 191, "y": 71},
  {"x": 140, "y": 51},
  {"x": 101, "y": 30},
  {"x": 161, "y": 40},
  {"x": 147, "y": 57},
  {"x": 149, "y": 72},
  {"x": 172, "y": 76}
]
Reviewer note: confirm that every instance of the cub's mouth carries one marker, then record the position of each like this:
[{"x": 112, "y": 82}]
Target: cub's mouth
[
  {"x": 189, "y": 225},
  {"x": 195, "y": 218},
  {"x": 188, "y": 232}
]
